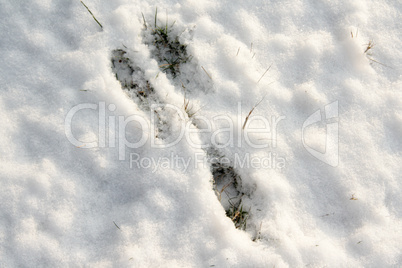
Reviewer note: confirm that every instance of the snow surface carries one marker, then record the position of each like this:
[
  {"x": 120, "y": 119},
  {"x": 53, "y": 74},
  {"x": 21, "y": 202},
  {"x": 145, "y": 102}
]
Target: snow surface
[{"x": 65, "y": 204}]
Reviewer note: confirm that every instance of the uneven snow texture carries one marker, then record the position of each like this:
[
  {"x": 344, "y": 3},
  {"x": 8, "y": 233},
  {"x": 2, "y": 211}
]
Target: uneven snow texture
[{"x": 64, "y": 204}]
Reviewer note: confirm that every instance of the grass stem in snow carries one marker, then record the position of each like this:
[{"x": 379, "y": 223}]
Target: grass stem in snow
[
  {"x": 92, "y": 15},
  {"x": 245, "y": 121},
  {"x": 264, "y": 73},
  {"x": 206, "y": 72}
]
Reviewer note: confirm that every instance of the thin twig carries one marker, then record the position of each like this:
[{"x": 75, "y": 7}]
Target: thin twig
[
  {"x": 92, "y": 15},
  {"x": 238, "y": 52}
]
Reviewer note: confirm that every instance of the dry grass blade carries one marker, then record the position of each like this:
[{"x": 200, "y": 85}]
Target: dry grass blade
[
  {"x": 227, "y": 185},
  {"x": 206, "y": 72},
  {"x": 370, "y": 45},
  {"x": 251, "y": 111},
  {"x": 373, "y": 60},
  {"x": 351, "y": 33},
  {"x": 264, "y": 73},
  {"x": 186, "y": 104},
  {"x": 368, "y": 53},
  {"x": 219, "y": 193},
  {"x": 164, "y": 65}
]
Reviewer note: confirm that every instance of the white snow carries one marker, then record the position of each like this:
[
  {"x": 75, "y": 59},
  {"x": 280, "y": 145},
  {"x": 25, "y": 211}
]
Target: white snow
[{"x": 85, "y": 198}]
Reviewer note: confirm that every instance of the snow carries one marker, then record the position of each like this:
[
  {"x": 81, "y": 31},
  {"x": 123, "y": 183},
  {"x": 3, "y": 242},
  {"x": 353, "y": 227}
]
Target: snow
[{"x": 76, "y": 191}]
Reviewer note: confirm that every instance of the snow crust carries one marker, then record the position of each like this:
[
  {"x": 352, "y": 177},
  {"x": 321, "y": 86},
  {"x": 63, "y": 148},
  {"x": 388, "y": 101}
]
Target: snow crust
[{"x": 84, "y": 204}]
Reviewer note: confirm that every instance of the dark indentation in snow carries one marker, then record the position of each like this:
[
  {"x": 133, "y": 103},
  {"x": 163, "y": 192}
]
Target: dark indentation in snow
[
  {"x": 228, "y": 188},
  {"x": 138, "y": 88},
  {"x": 174, "y": 59},
  {"x": 183, "y": 71},
  {"x": 131, "y": 77}
]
